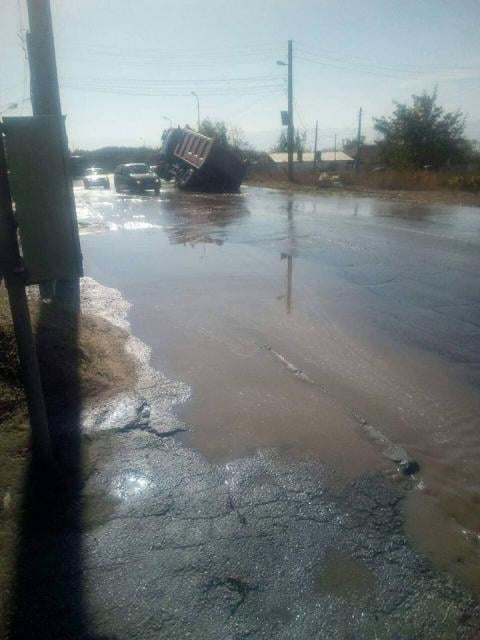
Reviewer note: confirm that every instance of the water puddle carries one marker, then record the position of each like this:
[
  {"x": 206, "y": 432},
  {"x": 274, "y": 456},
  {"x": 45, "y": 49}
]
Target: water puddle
[
  {"x": 376, "y": 303},
  {"x": 344, "y": 576}
]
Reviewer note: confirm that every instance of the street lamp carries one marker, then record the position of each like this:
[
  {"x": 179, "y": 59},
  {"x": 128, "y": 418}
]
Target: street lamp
[
  {"x": 169, "y": 120},
  {"x": 198, "y": 109}
]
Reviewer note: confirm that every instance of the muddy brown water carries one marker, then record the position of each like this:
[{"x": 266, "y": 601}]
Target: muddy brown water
[{"x": 289, "y": 314}]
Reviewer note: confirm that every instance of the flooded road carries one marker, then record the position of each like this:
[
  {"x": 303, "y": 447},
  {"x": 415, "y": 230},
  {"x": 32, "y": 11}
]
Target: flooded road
[{"x": 296, "y": 319}]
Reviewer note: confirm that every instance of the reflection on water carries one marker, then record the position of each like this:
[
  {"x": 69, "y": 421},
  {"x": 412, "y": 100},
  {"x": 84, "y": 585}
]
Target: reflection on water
[
  {"x": 342, "y": 575},
  {"x": 289, "y": 280},
  {"x": 382, "y": 311}
]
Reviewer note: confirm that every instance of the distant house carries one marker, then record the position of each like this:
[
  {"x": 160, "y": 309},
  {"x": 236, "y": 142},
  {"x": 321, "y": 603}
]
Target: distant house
[
  {"x": 334, "y": 161},
  {"x": 326, "y": 161},
  {"x": 370, "y": 155}
]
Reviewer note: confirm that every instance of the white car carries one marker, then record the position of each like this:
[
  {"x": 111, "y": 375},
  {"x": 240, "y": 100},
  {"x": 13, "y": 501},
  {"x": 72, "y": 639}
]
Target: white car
[{"x": 96, "y": 177}]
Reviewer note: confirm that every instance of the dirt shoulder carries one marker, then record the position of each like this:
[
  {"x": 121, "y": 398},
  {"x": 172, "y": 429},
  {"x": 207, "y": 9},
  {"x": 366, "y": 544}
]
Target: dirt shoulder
[
  {"x": 424, "y": 197},
  {"x": 101, "y": 370}
]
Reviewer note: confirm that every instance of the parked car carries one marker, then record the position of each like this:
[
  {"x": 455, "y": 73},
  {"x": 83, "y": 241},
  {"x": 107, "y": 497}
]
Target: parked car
[
  {"x": 96, "y": 177},
  {"x": 135, "y": 177}
]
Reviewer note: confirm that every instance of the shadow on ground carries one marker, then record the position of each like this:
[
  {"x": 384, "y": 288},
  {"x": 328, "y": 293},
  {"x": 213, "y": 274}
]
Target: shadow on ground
[
  {"x": 157, "y": 542},
  {"x": 47, "y": 597}
]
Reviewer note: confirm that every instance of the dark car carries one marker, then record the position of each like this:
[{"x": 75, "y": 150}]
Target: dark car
[
  {"x": 96, "y": 177},
  {"x": 136, "y": 177}
]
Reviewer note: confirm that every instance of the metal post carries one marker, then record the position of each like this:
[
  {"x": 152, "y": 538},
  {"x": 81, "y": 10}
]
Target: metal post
[
  {"x": 290, "y": 130},
  {"x": 359, "y": 141},
  {"x": 315, "y": 148},
  {"x": 11, "y": 270}
]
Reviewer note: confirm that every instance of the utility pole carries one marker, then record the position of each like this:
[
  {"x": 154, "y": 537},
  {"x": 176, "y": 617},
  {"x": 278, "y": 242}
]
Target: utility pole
[
  {"x": 315, "y": 148},
  {"x": 359, "y": 141},
  {"x": 290, "y": 131},
  {"x": 12, "y": 272},
  {"x": 45, "y": 96},
  {"x": 44, "y": 89},
  {"x": 335, "y": 149}
]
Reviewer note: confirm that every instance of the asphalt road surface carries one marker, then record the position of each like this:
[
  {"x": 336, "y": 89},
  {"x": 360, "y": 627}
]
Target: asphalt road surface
[{"x": 305, "y": 332}]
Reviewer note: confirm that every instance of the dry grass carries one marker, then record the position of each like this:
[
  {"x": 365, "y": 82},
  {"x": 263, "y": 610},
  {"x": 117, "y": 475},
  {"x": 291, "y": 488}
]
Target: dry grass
[
  {"x": 412, "y": 180},
  {"x": 422, "y": 187},
  {"x": 383, "y": 180}
]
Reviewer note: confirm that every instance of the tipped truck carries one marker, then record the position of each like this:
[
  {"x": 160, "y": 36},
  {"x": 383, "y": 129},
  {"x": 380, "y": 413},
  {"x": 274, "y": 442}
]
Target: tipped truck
[{"x": 199, "y": 163}]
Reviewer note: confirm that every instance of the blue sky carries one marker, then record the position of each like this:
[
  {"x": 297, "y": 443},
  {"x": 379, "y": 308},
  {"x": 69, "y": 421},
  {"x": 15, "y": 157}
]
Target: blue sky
[{"x": 126, "y": 65}]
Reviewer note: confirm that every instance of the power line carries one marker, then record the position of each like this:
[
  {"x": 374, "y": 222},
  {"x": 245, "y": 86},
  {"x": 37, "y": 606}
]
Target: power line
[
  {"x": 399, "y": 68},
  {"x": 260, "y": 80},
  {"x": 170, "y": 55},
  {"x": 241, "y": 91},
  {"x": 343, "y": 67},
  {"x": 253, "y": 104},
  {"x": 299, "y": 115}
]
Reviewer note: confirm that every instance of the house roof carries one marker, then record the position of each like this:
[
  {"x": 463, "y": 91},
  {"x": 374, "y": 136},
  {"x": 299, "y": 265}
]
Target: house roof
[
  {"x": 335, "y": 156},
  {"x": 283, "y": 157},
  {"x": 326, "y": 156}
]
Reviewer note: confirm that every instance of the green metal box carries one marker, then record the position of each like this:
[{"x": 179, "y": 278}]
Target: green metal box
[{"x": 42, "y": 192}]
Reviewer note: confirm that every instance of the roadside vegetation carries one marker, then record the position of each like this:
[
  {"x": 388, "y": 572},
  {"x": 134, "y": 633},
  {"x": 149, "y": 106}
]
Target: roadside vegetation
[
  {"x": 421, "y": 148},
  {"x": 108, "y": 158},
  {"x": 414, "y": 186}
]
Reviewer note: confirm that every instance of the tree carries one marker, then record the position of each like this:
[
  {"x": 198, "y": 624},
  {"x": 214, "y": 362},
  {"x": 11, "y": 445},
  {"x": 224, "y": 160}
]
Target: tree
[
  {"x": 227, "y": 135},
  {"x": 216, "y": 130},
  {"x": 351, "y": 143},
  {"x": 236, "y": 138},
  {"x": 298, "y": 142},
  {"x": 110, "y": 157},
  {"x": 282, "y": 143},
  {"x": 422, "y": 134}
]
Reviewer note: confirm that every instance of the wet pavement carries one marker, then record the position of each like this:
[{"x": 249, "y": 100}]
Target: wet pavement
[{"x": 295, "y": 342}]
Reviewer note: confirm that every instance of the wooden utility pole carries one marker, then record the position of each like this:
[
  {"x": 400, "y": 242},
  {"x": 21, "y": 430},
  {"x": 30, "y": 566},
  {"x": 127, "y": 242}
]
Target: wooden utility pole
[
  {"x": 45, "y": 96},
  {"x": 12, "y": 272},
  {"x": 44, "y": 89},
  {"x": 290, "y": 130},
  {"x": 335, "y": 148},
  {"x": 359, "y": 141},
  {"x": 315, "y": 148}
]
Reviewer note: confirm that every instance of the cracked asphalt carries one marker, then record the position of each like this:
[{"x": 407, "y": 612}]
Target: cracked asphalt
[{"x": 172, "y": 546}]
